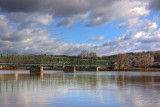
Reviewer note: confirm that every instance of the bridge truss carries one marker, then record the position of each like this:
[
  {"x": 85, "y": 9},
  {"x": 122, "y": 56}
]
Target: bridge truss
[{"x": 46, "y": 60}]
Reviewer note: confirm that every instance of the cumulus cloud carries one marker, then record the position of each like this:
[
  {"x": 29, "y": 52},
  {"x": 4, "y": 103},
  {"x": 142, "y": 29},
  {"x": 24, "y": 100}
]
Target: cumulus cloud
[
  {"x": 144, "y": 37},
  {"x": 138, "y": 24},
  {"x": 150, "y": 26},
  {"x": 100, "y": 13},
  {"x": 38, "y": 42},
  {"x": 58, "y": 8},
  {"x": 36, "y": 21},
  {"x": 65, "y": 22},
  {"x": 32, "y": 17},
  {"x": 138, "y": 11},
  {"x": 121, "y": 9},
  {"x": 101, "y": 38},
  {"x": 129, "y": 23},
  {"x": 34, "y": 40}
]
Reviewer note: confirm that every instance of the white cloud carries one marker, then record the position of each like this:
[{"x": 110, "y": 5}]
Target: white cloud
[
  {"x": 97, "y": 13},
  {"x": 144, "y": 37},
  {"x": 65, "y": 22},
  {"x": 3, "y": 20},
  {"x": 129, "y": 23},
  {"x": 101, "y": 38},
  {"x": 139, "y": 25},
  {"x": 36, "y": 40},
  {"x": 138, "y": 11},
  {"x": 122, "y": 9},
  {"x": 31, "y": 36},
  {"x": 68, "y": 22},
  {"x": 150, "y": 26},
  {"x": 44, "y": 19}
]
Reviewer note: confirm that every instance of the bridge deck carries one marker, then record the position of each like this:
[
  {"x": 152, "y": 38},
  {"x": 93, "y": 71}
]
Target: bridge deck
[{"x": 52, "y": 65}]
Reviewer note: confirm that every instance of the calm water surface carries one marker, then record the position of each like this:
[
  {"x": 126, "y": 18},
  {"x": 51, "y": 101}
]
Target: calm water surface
[{"x": 81, "y": 89}]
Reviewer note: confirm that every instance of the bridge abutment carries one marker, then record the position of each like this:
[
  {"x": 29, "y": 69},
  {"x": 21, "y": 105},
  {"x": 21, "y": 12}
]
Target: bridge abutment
[
  {"x": 71, "y": 69},
  {"x": 36, "y": 69}
]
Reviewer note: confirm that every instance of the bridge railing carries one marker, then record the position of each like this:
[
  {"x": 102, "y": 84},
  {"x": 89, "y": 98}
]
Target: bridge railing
[{"x": 45, "y": 59}]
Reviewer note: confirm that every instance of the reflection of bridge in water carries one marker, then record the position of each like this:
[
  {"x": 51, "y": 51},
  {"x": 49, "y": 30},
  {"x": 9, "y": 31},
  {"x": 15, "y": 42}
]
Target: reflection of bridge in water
[
  {"x": 21, "y": 82},
  {"x": 128, "y": 88},
  {"x": 37, "y": 62}
]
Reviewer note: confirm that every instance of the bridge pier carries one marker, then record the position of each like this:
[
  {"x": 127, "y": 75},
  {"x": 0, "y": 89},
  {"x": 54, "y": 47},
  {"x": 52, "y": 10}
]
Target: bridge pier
[
  {"x": 97, "y": 69},
  {"x": 36, "y": 69},
  {"x": 71, "y": 69}
]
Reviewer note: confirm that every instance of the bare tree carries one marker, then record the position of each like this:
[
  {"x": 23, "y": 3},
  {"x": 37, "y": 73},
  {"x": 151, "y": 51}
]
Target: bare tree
[
  {"x": 83, "y": 54},
  {"x": 145, "y": 60},
  {"x": 93, "y": 55},
  {"x": 123, "y": 61},
  {"x": 87, "y": 54}
]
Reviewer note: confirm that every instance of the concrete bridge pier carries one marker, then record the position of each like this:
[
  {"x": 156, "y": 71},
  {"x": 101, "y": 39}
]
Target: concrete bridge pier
[
  {"x": 36, "y": 69},
  {"x": 71, "y": 69},
  {"x": 97, "y": 69}
]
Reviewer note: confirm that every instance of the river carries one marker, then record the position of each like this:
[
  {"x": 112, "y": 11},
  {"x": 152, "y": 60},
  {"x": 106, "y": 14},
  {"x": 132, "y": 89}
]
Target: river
[{"x": 80, "y": 89}]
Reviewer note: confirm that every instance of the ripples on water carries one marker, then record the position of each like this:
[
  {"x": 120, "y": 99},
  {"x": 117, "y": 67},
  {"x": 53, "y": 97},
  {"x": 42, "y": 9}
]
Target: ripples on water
[{"x": 81, "y": 89}]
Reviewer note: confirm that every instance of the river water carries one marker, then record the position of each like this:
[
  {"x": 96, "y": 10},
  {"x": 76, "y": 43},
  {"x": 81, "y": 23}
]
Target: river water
[{"x": 80, "y": 89}]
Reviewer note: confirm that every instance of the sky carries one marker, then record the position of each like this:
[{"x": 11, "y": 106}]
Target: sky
[{"x": 67, "y": 27}]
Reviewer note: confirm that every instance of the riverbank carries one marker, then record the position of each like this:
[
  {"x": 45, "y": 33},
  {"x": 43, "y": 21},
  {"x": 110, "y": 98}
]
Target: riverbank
[{"x": 141, "y": 69}]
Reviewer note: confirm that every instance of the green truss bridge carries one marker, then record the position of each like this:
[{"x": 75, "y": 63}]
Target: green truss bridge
[{"x": 37, "y": 62}]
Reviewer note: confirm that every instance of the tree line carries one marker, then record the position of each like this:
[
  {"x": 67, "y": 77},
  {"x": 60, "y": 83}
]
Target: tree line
[{"x": 128, "y": 60}]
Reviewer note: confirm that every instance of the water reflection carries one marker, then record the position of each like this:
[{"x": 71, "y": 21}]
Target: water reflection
[{"x": 56, "y": 89}]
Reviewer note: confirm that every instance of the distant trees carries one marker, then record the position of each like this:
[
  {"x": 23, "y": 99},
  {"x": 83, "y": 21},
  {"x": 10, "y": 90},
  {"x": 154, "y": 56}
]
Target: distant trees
[
  {"x": 145, "y": 60},
  {"x": 123, "y": 61},
  {"x": 126, "y": 61},
  {"x": 140, "y": 60},
  {"x": 87, "y": 54},
  {"x": 156, "y": 56},
  {"x": 83, "y": 54},
  {"x": 93, "y": 55},
  {"x": 131, "y": 60}
]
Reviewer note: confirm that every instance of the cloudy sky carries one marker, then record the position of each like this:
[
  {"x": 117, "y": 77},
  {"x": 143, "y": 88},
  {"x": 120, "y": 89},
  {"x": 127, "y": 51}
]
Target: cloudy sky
[{"x": 66, "y": 27}]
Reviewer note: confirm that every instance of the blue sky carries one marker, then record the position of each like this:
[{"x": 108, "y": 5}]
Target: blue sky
[
  {"x": 78, "y": 33},
  {"x": 66, "y": 27}
]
